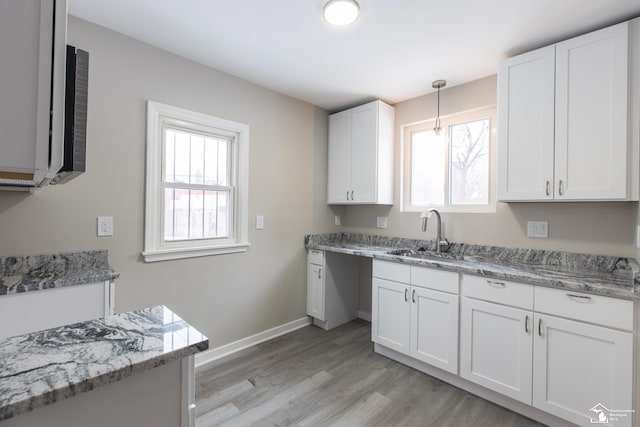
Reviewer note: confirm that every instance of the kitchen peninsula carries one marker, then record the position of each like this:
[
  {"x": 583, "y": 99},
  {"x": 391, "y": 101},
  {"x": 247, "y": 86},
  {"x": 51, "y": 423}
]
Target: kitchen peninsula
[{"x": 137, "y": 362}]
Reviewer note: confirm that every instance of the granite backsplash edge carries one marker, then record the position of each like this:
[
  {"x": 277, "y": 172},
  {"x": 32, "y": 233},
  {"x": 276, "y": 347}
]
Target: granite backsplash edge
[{"x": 37, "y": 272}]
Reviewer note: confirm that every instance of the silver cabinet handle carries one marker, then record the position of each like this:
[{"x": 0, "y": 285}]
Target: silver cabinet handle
[
  {"x": 319, "y": 273},
  {"x": 351, "y": 194},
  {"x": 405, "y": 294},
  {"x": 548, "y": 188},
  {"x": 539, "y": 327},
  {"x": 526, "y": 323},
  {"x": 496, "y": 284},
  {"x": 347, "y": 194},
  {"x": 580, "y": 298},
  {"x": 560, "y": 191},
  {"x": 413, "y": 296}
]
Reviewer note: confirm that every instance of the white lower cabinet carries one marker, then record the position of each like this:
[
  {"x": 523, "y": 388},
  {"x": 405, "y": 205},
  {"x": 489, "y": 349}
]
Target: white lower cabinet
[
  {"x": 315, "y": 284},
  {"x": 496, "y": 347},
  {"x": 578, "y": 366},
  {"x": 413, "y": 316},
  {"x": 434, "y": 333},
  {"x": 391, "y": 314},
  {"x": 568, "y": 354}
]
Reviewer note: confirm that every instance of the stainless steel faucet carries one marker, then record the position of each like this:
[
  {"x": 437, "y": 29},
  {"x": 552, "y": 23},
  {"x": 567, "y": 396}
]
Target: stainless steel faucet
[{"x": 440, "y": 241}]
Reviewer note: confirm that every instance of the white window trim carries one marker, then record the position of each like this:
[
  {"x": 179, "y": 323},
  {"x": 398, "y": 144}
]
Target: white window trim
[
  {"x": 154, "y": 250},
  {"x": 405, "y": 162}
]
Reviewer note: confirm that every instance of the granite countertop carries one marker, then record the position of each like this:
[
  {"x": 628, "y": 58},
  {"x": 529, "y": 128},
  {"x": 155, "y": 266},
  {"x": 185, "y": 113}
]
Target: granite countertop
[
  {"x": 38, "y": 272},
  {"x": 51, "y": 365},
  {"x": 596, "y": 274}
]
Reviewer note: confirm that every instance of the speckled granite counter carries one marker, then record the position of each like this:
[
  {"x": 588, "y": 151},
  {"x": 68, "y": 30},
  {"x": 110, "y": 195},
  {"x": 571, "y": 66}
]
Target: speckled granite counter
[
  {"x": 603, "y": 275},
  {"x": 47, "y": 366},
  {"x": 37, "y": 272}
]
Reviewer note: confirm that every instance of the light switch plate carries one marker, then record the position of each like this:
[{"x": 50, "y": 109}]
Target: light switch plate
[
  {"x": 259, "y": 222},
  {"x": 105, "y": 226},
  {"x": 337, "y": 220},
  {"x": 382, "y": 222},
  {"x": 538, "y": 229}
]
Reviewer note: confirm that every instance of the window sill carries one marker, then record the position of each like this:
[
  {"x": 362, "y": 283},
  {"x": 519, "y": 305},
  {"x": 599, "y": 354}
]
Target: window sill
[{"x": 182, "y": 253}]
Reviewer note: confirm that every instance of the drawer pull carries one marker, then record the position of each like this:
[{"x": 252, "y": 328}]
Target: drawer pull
[
  {"x": 547, "y": 189},
  {"x": 540, "y": 327},
  {"x": 413, "y": 296},
  {"x": 526, "y": 323},
  {"x": 319, "y": 273},
  {"x": 496, "y": 284},
  {"x": 580, "y": 298},
  {"x": 405, "y": 294}
]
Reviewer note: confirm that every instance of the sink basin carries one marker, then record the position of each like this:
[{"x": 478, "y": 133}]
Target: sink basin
[{"x": 417, "y": 253}]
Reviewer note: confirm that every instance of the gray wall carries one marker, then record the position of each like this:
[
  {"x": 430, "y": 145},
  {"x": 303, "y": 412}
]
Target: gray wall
[
  {"x": 227, "y": 297},
  {"x": 599, "y": 228}
]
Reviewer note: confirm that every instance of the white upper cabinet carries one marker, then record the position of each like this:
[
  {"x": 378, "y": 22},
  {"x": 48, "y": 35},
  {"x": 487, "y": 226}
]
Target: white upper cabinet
[
  {"x": 360, "y": 164},
  {"x": 32, "y": 45},
  {"x": 526, "y": 109},
  {"x": 564, "y": 121}
]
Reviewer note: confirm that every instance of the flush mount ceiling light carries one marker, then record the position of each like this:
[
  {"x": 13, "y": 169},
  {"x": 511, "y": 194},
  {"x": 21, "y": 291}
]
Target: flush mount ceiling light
[
  {"x": 438, "y": 84},
  {"x": 341, "y": 12}
]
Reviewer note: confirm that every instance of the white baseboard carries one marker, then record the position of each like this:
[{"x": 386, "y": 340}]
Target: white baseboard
[
  {"x": 208, "y": 356},
  {"x": 364, "y": 315}
]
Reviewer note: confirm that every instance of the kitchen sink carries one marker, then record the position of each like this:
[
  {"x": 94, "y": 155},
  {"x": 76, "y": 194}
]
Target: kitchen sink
[{"x": 421, "y": 253}]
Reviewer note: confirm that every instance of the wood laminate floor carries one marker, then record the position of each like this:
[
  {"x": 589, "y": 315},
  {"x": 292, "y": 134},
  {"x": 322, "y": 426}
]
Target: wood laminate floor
[{"x": 311, "y": 377}]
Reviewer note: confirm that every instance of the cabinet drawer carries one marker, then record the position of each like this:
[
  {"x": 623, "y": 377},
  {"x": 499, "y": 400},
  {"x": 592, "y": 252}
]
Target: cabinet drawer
[
  {"x": 394, "y": 271},
  {"x": 316, "y": 257},
  {"x": 439, "y": 280},
  {"x": 500, "y": 291},
  {"x": 601, "y": 310}
]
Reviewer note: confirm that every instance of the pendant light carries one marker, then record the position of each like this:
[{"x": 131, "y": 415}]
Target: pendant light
[
  {"x": 438, "y": 84},
  {"x": 341, "y": 12}
]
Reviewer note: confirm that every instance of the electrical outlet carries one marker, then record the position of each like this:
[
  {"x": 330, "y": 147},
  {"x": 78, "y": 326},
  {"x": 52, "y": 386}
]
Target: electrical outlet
[
  {"x": 638, "y": 236},
  {"x": 382, "y": 222},
  {"x": 105, "y": 226},
  {"x": 337, "y": 220},
  {"x": 538, "y": 229}
]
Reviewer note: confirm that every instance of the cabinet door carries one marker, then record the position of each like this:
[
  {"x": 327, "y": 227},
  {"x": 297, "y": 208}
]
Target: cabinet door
[
  {"x": 26, "y": 37},
  {"x": 315, "y": 291},
  {"x": 496, "y": 348},
  {"x": 591, "y": 115},
  {"x": 526, "y": 112},
  {"x": 434, "y": 328},
  {"x": 364, "y": 149},
  {"x": 390, "y": 314},
  {"x": 578, "y": 366},
  {"x": 339, "y": 162}
]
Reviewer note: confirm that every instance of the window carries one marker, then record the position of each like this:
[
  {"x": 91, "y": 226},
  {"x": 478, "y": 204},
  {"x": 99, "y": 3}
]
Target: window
[
  {"x": 453, "y": 171},
  {"x": 196, "y": 188}
]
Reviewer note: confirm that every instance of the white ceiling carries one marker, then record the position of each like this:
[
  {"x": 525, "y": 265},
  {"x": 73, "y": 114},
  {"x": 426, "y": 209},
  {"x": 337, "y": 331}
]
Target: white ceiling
[{"x": 393, "y": 52}]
